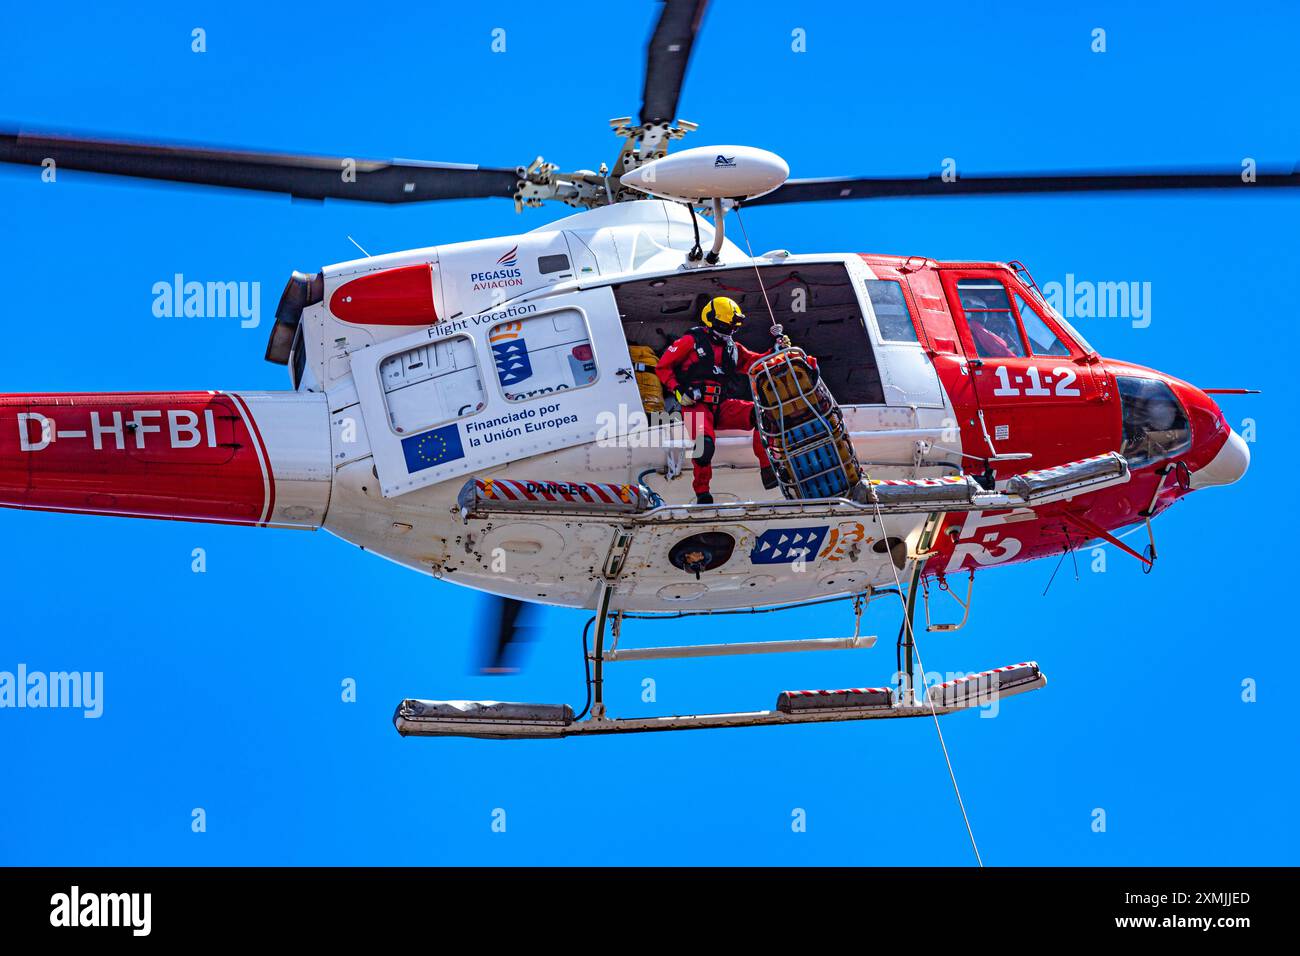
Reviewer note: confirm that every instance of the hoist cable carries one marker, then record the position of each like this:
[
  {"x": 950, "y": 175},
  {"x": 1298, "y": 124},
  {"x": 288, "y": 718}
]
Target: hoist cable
[
  {"x": 911, "y": 635},
  {"x": 757, "y": 272}
]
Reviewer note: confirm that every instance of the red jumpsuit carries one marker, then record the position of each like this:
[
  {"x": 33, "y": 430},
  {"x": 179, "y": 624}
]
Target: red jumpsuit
[{"x": 731, "y": 413}]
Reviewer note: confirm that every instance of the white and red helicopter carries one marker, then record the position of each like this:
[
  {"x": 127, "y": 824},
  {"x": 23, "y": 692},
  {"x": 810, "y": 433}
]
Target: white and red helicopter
[{"x": 473, "y": 410}]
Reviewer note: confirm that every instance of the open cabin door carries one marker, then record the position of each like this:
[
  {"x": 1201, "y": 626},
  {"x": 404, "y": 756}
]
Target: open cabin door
[{"x": 476, "y": 392}]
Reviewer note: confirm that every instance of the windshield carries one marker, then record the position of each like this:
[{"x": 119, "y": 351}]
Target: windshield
[
  {"x": 1070, "y": 330},
  {"x": 1155, "y": 425}
]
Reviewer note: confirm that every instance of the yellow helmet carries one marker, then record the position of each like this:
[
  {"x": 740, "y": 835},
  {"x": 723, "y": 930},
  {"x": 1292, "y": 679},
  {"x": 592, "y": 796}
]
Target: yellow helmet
[{"x": 723, "y": 315}]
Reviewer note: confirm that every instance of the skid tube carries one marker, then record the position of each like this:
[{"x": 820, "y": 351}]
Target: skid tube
[
  {"x": 519, "y": 721},
  {"x": 417, "y": 718}
]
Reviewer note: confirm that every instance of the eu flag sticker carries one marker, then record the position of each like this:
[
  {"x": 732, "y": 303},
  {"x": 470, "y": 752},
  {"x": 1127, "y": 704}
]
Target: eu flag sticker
[{"x": 432, "y": 448}]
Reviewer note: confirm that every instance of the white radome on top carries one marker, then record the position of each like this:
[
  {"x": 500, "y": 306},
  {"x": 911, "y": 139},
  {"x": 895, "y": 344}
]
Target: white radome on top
[{"x": 710, "y": 172}]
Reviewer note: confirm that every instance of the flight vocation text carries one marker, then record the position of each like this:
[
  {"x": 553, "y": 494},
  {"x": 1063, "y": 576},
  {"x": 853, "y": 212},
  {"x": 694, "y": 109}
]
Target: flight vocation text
[
  {"x": 486, "y": 318},
  {"x": 528, "y": 421}
]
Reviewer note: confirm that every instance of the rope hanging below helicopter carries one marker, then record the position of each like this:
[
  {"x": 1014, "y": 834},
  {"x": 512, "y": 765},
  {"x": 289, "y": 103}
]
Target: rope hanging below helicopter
[{"x": 909, "y": 606}]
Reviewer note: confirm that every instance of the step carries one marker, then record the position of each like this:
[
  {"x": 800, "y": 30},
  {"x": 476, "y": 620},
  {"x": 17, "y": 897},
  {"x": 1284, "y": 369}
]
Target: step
[{"x": 481, "y": 718}]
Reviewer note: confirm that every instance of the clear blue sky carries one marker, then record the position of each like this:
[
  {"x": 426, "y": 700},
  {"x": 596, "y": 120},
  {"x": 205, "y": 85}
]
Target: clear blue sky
[{"x": 223, "y": 689}]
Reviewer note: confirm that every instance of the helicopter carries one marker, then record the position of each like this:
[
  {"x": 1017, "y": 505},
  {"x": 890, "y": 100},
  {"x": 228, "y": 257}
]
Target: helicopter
[{"x": 485, "y": 411}]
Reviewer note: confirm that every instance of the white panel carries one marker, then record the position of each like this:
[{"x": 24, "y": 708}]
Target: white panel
[
  {"x": 295, "y": 427},
  {"x": 542, "y": 355},
  {"x": 906, "y": 372},
  {"x": 348, "y": 439},
  {"x": 432, "y": 384},
  {"x": 485, "y": 273},
  {"x": 457, "y": 420},
  {"x": 908, "y": 376}
]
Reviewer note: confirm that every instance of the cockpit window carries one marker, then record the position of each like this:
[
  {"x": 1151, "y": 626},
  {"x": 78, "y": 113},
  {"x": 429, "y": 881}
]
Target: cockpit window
[
  {"x": 1042, "y": 340},
  {"x": 890, "y": 306},
  {"x": 1069, "y": 329},
  {"x": 1155, "y": 425},
  {"x": 992, "y": 323}
]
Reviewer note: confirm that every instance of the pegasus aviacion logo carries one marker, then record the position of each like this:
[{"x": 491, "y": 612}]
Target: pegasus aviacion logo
[{"x": 504, "y": 275}]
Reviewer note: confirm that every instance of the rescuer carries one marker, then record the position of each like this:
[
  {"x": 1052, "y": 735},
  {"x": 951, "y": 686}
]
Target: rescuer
[{"x": 706, "y": 369}]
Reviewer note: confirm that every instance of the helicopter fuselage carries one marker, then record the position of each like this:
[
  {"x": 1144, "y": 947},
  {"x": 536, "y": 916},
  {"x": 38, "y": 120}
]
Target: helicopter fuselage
[{"x": 518, "y": 358}]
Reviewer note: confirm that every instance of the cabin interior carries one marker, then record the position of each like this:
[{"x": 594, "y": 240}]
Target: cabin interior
[{"x": 816, "y": 305}]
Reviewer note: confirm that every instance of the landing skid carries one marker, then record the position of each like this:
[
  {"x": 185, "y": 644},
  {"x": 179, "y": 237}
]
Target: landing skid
[
  {"x": 423, "y": 718},
  {"x": 515, "y": 721}
]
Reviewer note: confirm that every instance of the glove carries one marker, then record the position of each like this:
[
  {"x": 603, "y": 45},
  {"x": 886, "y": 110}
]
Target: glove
[
  {"x": 687, "y": 398},
  {"x": 784, "y": 342}
]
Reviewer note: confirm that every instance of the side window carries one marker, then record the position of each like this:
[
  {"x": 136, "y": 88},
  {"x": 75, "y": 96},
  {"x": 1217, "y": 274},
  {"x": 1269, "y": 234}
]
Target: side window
[
  {"x": 547, "y": 353},
  {"x": 431, "y": 384},
  {"x": 1042, "y": 340},
  {"x": 992, "y": 323},
  {"x": 890, "y": 306},
  {"x": 548, "y": 264}
]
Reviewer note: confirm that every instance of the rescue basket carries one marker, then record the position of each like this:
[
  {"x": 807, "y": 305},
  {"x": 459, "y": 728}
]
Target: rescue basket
[{"x": 802, "y": 428}]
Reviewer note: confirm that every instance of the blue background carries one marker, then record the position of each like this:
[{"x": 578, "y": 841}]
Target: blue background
[{"x": 223, "y": 689}]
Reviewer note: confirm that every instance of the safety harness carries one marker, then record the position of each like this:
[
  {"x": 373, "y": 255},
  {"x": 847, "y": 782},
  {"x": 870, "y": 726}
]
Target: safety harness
[{"x": 712, "y": 378}]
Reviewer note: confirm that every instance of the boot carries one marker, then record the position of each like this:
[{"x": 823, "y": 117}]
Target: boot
[
  {"x": 704, "y": 498},
  {"x": 768, "y": 477}
]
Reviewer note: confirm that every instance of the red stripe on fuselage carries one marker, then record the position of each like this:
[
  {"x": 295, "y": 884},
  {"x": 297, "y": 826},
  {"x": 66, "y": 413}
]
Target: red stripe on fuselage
[
  {"x": 183, "y": 455},
  {"x": 267, "y": 471}
]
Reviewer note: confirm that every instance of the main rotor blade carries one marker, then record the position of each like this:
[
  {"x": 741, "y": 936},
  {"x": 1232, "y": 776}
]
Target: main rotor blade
[
  {"x": 667, "y": 56},
  {"x": 504, "y": 629},
  {"x": 305, "y": 177},
  {"x": 813, "y": 190}
]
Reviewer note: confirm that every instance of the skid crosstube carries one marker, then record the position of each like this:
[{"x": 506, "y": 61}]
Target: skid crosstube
[{"x": 502, "y": 721}]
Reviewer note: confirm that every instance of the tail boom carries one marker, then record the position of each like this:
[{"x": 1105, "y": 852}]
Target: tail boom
[{"x": 257, "y": 458}]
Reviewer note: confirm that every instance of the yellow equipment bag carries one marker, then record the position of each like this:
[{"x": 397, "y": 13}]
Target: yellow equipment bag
[{"x": 644, "y": 363}]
